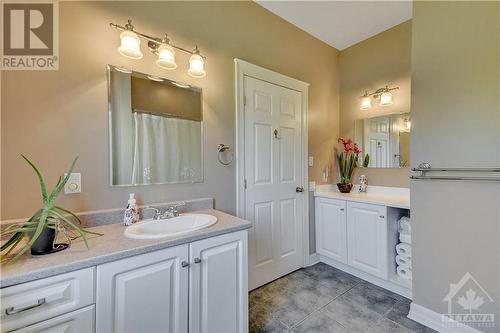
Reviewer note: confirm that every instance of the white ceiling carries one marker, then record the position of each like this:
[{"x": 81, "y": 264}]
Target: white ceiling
[{"x": 341, "y": 23}]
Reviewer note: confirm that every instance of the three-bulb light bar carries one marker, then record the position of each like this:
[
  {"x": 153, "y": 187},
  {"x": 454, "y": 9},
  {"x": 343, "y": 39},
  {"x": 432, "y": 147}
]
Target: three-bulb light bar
[{"x": 130, "y": 47}]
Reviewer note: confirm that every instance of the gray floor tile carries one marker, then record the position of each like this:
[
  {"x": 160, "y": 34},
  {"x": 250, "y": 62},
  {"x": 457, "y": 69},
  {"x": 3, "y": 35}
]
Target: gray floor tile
[
  {"x": 319, "y": 322},
  {"x": 372, "y": 297},
  {"x": 399, "y": 314},
  {"x": 332, "y": 277},
  {"x": 303, "y": 299},
  {"x": 352, "y": 315},
  {"x": 384, "y": 325}
]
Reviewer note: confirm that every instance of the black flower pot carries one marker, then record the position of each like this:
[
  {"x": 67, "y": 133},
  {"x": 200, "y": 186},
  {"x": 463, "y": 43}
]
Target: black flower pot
[
  {"x": 344, "y": 188},
  {"x": 44, "y": 243}
]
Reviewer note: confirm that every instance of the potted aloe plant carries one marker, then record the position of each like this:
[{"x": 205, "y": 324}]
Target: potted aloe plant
[
  {"x": 40, "y": 231},
  {"x": 347, "y": 161}
]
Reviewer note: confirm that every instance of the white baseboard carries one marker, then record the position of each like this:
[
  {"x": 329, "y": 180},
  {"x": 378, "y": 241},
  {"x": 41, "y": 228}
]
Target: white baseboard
[
  {"x": 389, "y": 285},
  {"x": 433, "y": 320},
  {"x": 313, "y": 259}
]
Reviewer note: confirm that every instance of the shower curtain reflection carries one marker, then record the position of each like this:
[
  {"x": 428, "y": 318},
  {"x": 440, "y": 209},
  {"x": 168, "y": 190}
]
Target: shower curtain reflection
[{"x": 166, "y": 149}]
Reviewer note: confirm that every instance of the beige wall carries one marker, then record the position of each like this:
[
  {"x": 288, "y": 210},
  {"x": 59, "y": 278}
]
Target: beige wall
[
  {"x": 456, "y": 123},
  {"x": 384, "y": 59},
  {"x": 55, "y": 115}
]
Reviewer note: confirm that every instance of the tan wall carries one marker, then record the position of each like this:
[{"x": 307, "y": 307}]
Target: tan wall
[
  {"x": 456, "y": 123},
  {"x": 55, "y": 115},
  {"x": 384, "y": 59}
]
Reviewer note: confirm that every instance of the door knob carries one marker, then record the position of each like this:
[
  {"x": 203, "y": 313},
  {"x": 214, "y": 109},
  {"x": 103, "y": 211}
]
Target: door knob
[{"x": 299, "y": 189}]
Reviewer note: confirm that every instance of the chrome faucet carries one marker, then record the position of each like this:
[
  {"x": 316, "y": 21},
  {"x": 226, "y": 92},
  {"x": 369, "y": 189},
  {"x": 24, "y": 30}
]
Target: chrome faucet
[{"x": 171, "y": 211}]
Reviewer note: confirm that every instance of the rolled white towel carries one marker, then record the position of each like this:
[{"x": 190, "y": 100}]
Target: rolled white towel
[
  {"x": 403, "y": 261},
  {"x": 404, "y": 249},
  {"x": 404, "y": 225},
  {"x": 404, "y": 272},
  {"x": 405, "y": 238}
]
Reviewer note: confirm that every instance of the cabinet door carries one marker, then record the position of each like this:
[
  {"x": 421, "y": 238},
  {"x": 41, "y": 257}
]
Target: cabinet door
[
  {"x": 78, "y": 321},
  {"x": 331, "y": 229},
  {"x": 144, "y": 293},
  {"x": 218, "y": 286},
  {"x": 367, "y": 238}
]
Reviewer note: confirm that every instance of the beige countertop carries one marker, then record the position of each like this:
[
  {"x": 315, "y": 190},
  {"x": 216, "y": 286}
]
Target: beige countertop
[
  {"x": 113, "y": 245},
  {"x": 390, "y": 197}
]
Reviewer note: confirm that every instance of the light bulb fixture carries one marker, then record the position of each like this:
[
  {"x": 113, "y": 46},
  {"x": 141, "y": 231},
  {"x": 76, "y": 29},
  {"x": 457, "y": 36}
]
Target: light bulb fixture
[
  {"x": 366, "y": 101},
  {"x": 386, "y": 98},
  {"x": 166, "y": 55},
  {"x": 383, "y": 94},
  {"x": 162, "y": 47},
  {"x": 180, "y": 85},
  {"x": 196, "y": 65},
  {"x": 130, "y": 44}
]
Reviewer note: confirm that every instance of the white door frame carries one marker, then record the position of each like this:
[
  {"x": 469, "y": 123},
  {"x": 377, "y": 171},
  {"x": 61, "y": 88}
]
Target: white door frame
[{"x": 242, "y": 69}]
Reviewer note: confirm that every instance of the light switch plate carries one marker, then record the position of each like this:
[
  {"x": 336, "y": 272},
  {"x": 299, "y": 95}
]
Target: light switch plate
[
  {"x": 312, "y": 186},
  {"x": 74, "y": 183},
  {"x": 311, "y": 161}
]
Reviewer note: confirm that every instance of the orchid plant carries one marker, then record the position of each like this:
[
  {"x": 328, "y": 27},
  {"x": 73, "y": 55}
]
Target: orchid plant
[{"x": 347, "y": 160}]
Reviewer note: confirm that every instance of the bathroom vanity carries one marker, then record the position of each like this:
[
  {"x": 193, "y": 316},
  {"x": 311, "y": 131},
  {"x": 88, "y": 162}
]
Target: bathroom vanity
[
  {"x": 358, "y": 233},
  {"x": 192, "y": 283}
]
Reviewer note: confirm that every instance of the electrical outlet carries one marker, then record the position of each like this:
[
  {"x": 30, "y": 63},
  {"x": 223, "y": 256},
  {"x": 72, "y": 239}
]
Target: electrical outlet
[
  {"x": 74, "y": 183},
  {"x": 311, "y": 161},
  {"x": 312, "y": 186}
]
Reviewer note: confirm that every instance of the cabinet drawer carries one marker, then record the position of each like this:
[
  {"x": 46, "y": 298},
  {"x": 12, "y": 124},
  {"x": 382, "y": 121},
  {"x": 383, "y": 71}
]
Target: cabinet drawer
[
  {"x": 35, "y": 301},
  {"x": 79, "y": 321}
]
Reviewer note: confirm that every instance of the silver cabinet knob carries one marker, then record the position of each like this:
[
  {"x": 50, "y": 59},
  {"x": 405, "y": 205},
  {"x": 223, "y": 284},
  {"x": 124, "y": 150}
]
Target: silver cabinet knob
[
  {"x": 197, "y": 260},
  {"x": 382, "y": 216},
  {"x": 184, "y": 264},
  {"x": 342, "y": 209},
  {"x": 299, "y": 189}
]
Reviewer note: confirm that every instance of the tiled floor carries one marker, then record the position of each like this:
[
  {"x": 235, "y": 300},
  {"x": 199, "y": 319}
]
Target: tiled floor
[{"x": 321, "y": 298}]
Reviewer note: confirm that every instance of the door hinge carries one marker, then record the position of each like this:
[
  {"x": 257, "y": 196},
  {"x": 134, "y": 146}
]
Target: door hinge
[
  {"x": 244, "y": 100},
  {"x": 245, "y": 184}
]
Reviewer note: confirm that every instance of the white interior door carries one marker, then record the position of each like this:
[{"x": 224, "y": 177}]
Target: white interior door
[
  {"x": 377, "y": 141},
  {"x": 273, "y": 172}
]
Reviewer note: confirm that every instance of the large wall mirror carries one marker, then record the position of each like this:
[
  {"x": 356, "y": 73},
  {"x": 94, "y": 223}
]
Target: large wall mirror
[
  {"x": 386, "y": 139},
  {"x": 156, "y": 130}
]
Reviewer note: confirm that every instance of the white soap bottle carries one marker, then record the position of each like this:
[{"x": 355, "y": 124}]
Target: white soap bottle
[{"x": 131, "y": 212}]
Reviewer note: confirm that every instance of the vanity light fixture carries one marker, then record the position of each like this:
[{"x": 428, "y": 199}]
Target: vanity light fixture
[
  {"x": 130, "y": 47},
  {"x": 384, "y": 94}
]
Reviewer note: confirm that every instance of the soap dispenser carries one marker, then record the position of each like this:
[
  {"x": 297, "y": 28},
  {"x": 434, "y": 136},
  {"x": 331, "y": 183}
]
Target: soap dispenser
[{"x": 131, "y": 212}]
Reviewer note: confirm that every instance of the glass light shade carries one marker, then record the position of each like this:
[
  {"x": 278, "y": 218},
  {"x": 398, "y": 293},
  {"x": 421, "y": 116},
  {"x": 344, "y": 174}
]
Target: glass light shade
[
  {"x": 386, "y": 98},
  {"x": 196, "y": 66},
  {"x": 166, "y": 57},
  {"x": 130, "y": 46},
  {"x": 366, "y": 103}
]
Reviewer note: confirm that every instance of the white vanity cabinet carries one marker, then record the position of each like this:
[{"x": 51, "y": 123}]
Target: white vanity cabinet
[
  {"x": 144, "y": 293},
  {"x": 331, "y": 228},
  {"x": 367, "y": 238},
  {"x": 196, "y": 287},
  {"x": 218, "y": 286}
]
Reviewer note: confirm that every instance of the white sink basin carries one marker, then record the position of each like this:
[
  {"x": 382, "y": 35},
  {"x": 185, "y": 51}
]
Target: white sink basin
[{"x": 180, "y": 225}]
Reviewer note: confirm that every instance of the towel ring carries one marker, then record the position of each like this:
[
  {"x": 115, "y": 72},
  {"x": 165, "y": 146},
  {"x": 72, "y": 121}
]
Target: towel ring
[{"x": 221, "y": 149}]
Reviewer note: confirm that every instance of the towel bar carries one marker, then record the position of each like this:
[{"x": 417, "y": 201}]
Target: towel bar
[{"x": 425, "y": 168}]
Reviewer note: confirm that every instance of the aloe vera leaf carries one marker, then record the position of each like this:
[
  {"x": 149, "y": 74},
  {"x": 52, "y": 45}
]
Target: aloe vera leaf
[
  {"x": 14, "y": 244},
  {"x": 60, "y": 185},
  {"x": 75, "y": 227},
  {"x": 38, "y": 231},
  {"x": 68, "y": 212},
  {"x": 40, "y": 179},
  {"x": 10, "y": 241}
]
